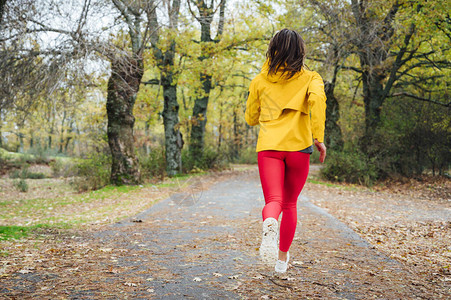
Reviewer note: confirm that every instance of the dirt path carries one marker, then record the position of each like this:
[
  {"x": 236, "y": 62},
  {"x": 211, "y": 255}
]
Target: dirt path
[{"x": 204, "y": 245}]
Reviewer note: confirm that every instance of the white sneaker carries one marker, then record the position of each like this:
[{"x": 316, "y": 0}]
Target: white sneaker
[
  {"x": 269, "y": 248},
  {"x": 282, "y": 266}
]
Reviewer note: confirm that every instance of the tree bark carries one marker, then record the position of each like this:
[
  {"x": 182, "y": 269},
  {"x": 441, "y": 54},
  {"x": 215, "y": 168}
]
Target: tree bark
[
  {"x": 333, "y": 136},
  {"x": 199, "y": 117},
  {"x": 123, "y": 86},
  {"x": 166, "y": 64},
  {"x": 372, "y": 48},
  {"x": 173, "y": 137},
  {"x": 62, "y": 132},
  {"x": 2, "y": 9},
  {"x": 1, "y": 134}
]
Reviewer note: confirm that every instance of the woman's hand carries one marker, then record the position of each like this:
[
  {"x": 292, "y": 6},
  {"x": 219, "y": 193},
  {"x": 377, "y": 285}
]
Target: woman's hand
[{"x": 322, "y": 150}]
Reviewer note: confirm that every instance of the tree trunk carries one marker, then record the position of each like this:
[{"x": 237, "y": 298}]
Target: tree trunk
[
  {"x": 373, "y": 98},
  {"x": 173, "y": 137},
  {"x": 2, "y": 9},
  {"x": 235, "y": 144},
  {"x": 1, "y": 135},
  {"x": 333, "y": 136},
  {"x": 123, "y": 86},
  {"x": 373, "y": 49},
  {"x": 220, "y": 137},
  {"x": 68, "y": 136},
  {"x": 62, "y": 132},
  {"x": 165, "y": 62},
  {"x": 147, "y": 133},
  {"x": 49, "y": 140},
  {"x": 199, "y": 119},
  {"x": 21, "y": 145}
]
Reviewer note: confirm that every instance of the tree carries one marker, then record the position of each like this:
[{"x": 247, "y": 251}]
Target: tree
[
  {"x": 383, "y": 42},
  {"x": 24, "y": 75},
  {"x": 127, "y": 69},
  {"x": 165, "y": 60},
  {"x": 79, "y": 42},
  {"x": 205, "y": 16},
  {"x": 386, "y": 54}
]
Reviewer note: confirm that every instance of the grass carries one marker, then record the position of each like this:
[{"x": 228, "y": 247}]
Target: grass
[
  {"x": 348, "y": 187},
  {"x": 17, "y": 232},
  {"x": 329, "y": 184},
  {"x": 65, "y": 207},
  {"x": 26, "y": 156},
  {"x": 9, "y": 155}
]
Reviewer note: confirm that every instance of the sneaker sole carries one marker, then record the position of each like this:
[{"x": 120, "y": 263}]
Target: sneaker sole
[{"x": 268, "y": 248}]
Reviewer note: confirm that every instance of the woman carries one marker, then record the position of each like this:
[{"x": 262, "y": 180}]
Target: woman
[{"x": 281, "y": 99}]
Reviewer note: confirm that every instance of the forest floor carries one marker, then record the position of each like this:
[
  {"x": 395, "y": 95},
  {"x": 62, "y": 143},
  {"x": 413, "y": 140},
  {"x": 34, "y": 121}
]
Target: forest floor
[{"x": 200, "y": 239}]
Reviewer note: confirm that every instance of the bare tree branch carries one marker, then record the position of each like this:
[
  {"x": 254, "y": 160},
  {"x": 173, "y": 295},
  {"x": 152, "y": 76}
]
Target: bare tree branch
[{"x": 420, "y": 98}]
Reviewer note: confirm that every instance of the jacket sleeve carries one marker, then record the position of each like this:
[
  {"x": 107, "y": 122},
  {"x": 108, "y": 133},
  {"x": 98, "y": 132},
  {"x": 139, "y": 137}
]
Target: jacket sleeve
[
  {"x": 252, "y": 113},
  {"x": 317, "y": 105}
]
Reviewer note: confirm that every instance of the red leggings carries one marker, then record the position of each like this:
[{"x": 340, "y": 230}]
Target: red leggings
[{"x": 283, "y": 175}]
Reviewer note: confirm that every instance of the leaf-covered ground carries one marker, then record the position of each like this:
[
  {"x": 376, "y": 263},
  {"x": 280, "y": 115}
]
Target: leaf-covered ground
[{"x": 202, "y": 242}]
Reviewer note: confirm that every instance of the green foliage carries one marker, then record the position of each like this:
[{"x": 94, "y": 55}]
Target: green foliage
[
  {"x": 35, "y": 175},
  {"x": 39, "y": 155},
  {"x": 3, "y": 158},
  {"x": 21, "y": 185},
  {"x": 210, "y": 160},
  {"x": 420, "y": 140},
  {"x": 93, "y": 172},
  {"x": 24, "y": 173},
  {"x": 401, "y": 147},
  {"x": 153, "y": 164},
  {"x": 351, "y": 167},
  {"x": 63, "y": 167},
  {"x": 247, "y": 156}
]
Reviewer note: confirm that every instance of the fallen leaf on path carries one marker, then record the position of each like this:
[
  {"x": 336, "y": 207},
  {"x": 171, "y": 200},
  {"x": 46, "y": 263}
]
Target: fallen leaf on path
[{"x": 130, "y": 284}]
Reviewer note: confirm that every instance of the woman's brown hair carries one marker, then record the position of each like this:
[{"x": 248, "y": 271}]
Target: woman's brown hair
[{"x": 286, "y": 52}]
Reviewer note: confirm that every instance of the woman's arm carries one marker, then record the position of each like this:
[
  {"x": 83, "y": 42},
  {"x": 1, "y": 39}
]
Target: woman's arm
[
  {"x": 317, "y": 104},
  {"x": 252, "y": 113}
]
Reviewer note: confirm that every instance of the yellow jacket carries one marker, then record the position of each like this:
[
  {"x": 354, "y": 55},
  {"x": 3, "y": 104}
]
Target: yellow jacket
[{"x": 282, "y": 106}]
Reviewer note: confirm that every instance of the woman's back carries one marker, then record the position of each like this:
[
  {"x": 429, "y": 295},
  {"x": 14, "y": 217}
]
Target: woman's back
[{"x": 281, "y": 106}]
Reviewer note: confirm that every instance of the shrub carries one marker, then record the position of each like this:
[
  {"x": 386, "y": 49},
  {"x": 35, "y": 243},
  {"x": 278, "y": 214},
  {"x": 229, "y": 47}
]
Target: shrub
[
  {"x": 21, "y": 185},
  {"x": 417, "y": 141},
  {"x": 352, "y": 167},
  {"x": 63, "y": 168},
  {"x": 24, "y": 173},
  {"x": 247, "y": 156},
  {"x": 3, "y": 158},
  {"x": 39, "y": 155},
  {"x": 15, "y": 174},
  {"x": 35, "y": 175},
  {"x": 210, "y": 159},
  {"x": 93, "y": 172},
  {"x": 152, "y": 164}
]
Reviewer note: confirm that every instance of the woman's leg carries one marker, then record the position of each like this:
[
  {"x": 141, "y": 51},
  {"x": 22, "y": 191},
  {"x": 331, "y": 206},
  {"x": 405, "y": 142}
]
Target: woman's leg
[
  {"x": 272, "y": 174},
  {"x": 296, "y": 172}
]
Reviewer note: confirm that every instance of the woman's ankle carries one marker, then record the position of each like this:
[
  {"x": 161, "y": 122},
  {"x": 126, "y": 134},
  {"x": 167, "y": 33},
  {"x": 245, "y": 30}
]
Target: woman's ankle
[{"x": 283, "y": 255}]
